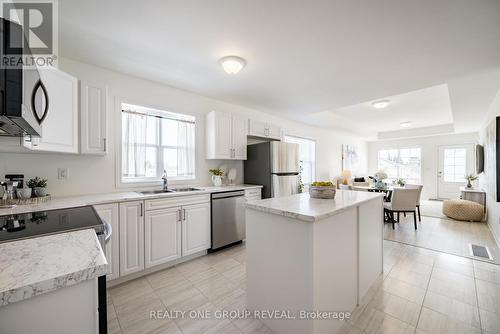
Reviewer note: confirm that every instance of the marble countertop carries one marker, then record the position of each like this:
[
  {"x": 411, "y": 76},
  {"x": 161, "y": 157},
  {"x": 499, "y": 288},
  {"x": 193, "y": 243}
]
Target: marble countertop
[
  {"x": 32, "y": 267},
  {"x": 95, "y": 199},
  {"x": 307, "y": 209}
]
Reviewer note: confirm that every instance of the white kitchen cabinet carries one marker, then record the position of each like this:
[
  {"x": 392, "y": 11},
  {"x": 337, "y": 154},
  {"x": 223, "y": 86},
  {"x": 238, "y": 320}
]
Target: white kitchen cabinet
[
  {"x": 131, "y": 237},
  {"x": 109, "y": 213},
  {"x": 93, "y": 124},
  {"x": 162, "y": 236},
  {"x": 59, "y": 130},
  {"x": 195, "y": 228},
  {"x": 226, "y": 136},
  {"x": 239, "y": 129},
  {"x": 263, "y": 129},
  {"x": 253, "y": 194}
]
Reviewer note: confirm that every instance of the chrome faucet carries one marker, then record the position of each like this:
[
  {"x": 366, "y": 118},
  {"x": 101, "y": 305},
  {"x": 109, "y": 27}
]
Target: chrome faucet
[{"x": 165, "y": 181}]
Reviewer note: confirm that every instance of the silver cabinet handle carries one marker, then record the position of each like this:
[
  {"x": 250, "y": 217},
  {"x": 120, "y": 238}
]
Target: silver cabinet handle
[
  {"x": 108, "y": 231},
  {"x": 104, "y": 144},
  {"x": 178, "y": 215},
  {"x": 184, "y": 214},
  {"x": 141, "y": 211}
]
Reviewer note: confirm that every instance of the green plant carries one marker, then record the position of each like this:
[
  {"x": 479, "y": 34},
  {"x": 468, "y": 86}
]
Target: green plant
[
  {"x": 301, "y": 184},
  {"x": 471, "y": 177},
  {"x": 37, "y": 182},
  {"x": 400, "y": 182},
  {"x": 216, "y": 171}
]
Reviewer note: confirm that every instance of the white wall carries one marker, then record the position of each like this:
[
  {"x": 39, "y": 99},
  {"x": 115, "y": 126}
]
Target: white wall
[
  {"x": 491, "y": 203},
  {"x": 429, "y": 146},
  {"x": 90, "y": 174}
]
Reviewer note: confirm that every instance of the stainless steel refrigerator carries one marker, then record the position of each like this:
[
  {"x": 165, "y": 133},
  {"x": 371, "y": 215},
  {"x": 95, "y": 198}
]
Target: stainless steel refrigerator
[{"x": 275, "y": 165}]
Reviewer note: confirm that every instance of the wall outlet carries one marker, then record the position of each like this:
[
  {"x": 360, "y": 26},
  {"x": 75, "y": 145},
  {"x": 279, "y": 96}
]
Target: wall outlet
[{"x": 62, "y": 173}]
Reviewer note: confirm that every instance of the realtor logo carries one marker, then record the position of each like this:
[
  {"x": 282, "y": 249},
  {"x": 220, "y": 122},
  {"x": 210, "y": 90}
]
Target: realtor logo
[{"x": 39, "y": 27}]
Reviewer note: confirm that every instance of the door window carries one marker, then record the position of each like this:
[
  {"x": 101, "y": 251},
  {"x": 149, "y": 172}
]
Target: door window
[{"x": 454, "y": 164}]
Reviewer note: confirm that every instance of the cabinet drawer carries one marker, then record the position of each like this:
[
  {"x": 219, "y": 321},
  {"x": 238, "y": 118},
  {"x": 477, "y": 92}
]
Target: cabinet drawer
[
  {"x": 253, "y": 198},
  {"x": 252, "y": 192},
  {"x": 162, "y": 203}
]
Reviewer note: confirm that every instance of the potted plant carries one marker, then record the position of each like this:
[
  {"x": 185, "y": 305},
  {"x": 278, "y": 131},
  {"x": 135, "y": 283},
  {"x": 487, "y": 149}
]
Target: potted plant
[
  {"x": 322, "y": 190},
  {"x": 470, "y": 178},
  {"x": 39, "y": 186},
  {"x": 217, "y": 174},
  {"x": 400, "y": 182}
]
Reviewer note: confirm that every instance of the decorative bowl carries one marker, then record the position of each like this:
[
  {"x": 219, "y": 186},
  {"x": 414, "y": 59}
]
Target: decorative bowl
[
  {"x": 41, "y": 192},
  {"x": 23, "y": 193},
  {"x": 322, "y": 192}
]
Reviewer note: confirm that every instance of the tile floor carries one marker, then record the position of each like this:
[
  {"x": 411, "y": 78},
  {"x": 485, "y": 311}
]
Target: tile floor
[
  {"x": 446, "y": 235},
  {"x": 421, "y": 291}
]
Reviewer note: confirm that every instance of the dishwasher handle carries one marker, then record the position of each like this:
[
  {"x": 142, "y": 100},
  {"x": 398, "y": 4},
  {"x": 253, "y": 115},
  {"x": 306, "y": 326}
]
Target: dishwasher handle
[{"x": 228, "y": 194}]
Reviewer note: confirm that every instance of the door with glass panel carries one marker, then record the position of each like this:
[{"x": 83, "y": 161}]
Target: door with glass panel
[{"x": 455, "y": 161}]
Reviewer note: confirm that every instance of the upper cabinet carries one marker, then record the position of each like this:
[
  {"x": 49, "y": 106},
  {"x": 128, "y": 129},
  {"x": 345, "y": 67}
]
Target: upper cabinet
[
  {"x": 93, "y": 125},
  {"x": 59, "y": 127},
  {"x": 264, "y": 130},
  {"x": 226, "y": 136}
]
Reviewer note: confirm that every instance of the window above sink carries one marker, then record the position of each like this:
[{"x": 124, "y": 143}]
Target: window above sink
[{"x": 154, "y": 140}]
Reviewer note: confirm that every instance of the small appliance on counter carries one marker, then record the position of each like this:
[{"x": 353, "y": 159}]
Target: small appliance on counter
[{"x": 37, "y": 224}]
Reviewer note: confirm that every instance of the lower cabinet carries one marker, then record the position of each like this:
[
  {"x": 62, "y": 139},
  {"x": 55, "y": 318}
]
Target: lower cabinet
[
  {"x": 109, "y": 213},
  {"x": 143, "y": 239},
  {"x": 131, "y": 237},
  {"x": 195, "y": 228},
  {"x": 162, "y": 236}
]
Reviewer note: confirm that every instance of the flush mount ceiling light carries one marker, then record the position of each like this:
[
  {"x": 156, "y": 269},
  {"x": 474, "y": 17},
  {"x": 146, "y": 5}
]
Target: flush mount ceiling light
[
  {"x": 405, "y": 124},
  {"x": 381, "y": 104},
  {"x": 232, "y": 64}
]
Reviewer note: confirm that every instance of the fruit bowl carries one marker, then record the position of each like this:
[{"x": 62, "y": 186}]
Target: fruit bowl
[{"x": 322, "y": 190}]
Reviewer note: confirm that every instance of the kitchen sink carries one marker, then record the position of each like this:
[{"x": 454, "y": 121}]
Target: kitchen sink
[
  {"x": 173, "y": 190},
  {"x": 153, "y": 192},
  {"x": 185, "y": 189}
]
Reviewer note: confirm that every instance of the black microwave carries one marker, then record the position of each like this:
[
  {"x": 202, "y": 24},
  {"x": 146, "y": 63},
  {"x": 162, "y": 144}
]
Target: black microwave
[{"x": 21, "y": 89}]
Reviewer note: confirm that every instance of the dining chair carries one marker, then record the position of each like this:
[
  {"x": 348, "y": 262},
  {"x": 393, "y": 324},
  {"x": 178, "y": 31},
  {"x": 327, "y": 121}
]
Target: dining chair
[
  {"x": 419, "y": 187},
  {"x": 402, "y": 201},
  {"x": 345, "y": 187}
]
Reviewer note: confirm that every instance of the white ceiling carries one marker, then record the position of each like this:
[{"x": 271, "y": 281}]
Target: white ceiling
[
  {"x": 313, "y": 61},
  {"x": 423, "y": 108}
]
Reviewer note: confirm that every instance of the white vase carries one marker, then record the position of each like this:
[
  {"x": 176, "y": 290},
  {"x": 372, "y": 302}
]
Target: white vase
[{"x": 217, "y": 180}]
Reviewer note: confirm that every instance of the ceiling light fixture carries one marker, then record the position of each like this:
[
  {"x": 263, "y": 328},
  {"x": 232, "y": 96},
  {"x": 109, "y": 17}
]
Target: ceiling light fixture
[
  {"x": 405, "y": 124},
  {"x": 381, "y": 104},
  {"x": 232, "y": 64}
]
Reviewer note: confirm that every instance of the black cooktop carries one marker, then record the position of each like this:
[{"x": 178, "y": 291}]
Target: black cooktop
[{"x": 35, "y": 224}]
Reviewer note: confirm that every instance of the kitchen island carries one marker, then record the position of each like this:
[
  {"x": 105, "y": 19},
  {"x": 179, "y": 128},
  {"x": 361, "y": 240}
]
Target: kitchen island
[
  {"x": 49, "y": 284},
  {"x": 312, "y": 255}
]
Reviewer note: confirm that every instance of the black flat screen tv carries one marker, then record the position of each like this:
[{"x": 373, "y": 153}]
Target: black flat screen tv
[{"x": 479, "y": 159}]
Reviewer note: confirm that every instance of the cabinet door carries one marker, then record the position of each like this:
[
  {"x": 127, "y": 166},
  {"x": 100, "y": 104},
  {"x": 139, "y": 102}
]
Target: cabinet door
[
  {"x": 257, "y": 128},
  {"x": 93, "y": 125},
  {"x": 195, "y": 228},
  {"x": 218, "y": 132},
  {"x": 131, "y": 237},
  {"x": 109, "y": 213},
  {"x": 162, "y": 236},
  {"x": 274, "y": 132},
  {"x": 59, "y": 130},
  {"x": 239, "y": 129}
]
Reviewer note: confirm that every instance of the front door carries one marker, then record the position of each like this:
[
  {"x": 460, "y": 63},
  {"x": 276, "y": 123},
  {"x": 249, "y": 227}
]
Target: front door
[{"x": 455, "y": 161}]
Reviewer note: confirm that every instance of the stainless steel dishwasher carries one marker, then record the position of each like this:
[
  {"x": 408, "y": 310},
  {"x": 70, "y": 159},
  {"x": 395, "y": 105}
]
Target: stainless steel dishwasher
[{"x": 228, "y": 218}]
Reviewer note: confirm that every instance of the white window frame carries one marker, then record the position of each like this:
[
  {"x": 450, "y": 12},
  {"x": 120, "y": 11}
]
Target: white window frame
[
  {"x": 399, "y": 148},
  {"x": 146, "y": 181},
  {"x": 314, "y": 169}
]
